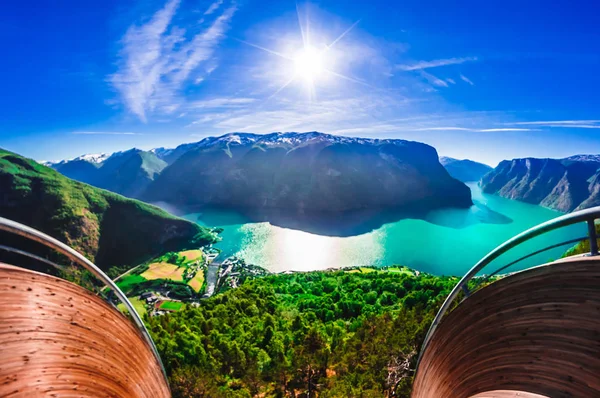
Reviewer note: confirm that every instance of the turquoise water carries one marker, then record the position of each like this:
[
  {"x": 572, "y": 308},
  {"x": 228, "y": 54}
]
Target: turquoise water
[{"x": 447, "y": 242}]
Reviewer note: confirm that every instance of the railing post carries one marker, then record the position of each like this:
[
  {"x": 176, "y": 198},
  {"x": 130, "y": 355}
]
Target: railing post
[
  {"x": 593, "y": 238},
  {"x": 465, "y": 289}
]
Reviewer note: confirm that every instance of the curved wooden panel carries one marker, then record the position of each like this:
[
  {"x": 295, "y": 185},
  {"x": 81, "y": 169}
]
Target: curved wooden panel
[
  {"x": 507, "y": 394},
  {"x": 58, "y": 339},
  {"x": 537, "y": 331}
]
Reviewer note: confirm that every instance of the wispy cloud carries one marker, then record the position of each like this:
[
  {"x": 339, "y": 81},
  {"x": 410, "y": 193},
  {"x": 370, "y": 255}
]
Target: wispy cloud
[
  {"x": 157, "y": 58},
  {"x": 213, "y": 7},
  {"x": 433, "y": 79},
  {"x": 497, "y": 130},
  {"x": 475, "y": 130},
  {"x": 434, "y": 64},
  {"x": 443, "y": 129},
  {"x": 292, "y": 115},
  {"x": 365, "y": 115},
  {"x": 222, "y": 103},
  {"x": 466, "y": 80},
  {"x": 580, "y": 124},
  {"x": 104, "y": 133}
]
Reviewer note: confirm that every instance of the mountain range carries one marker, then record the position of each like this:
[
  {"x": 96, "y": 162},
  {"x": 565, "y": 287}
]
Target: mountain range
[
  {"x": 562, "y": 184},
  {"x": 465, "y": 170},
  {"x": 109, "y": 229},
  {"x": 315, "y": 172},
  {"x": 128, "y": 173},
  {"x": 293, "y": 172},
  {"x": 307, "y": 173}
]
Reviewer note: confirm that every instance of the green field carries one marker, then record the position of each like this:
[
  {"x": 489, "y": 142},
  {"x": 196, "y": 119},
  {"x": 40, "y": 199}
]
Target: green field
[
  {"x": 197, "y": 281},
  {"x": 402, "y": 270},
  {"x": 127, "y": 282},
  {"x": 138, "y": 304},
  {"x": 171, "y": 305}
]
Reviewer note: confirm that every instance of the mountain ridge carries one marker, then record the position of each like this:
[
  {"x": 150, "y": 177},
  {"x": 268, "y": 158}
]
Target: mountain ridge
[
  {"x": 126, "y": 172},
  {"x": 307, "y": 172},
  {"x": 566, "y": 184},
  {"x": 109, "y": 229},
  {"x": 465, "y": 170}
]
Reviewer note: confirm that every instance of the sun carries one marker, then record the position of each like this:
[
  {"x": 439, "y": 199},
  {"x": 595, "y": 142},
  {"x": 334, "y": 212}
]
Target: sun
[
  {"x": 312, "y": 65},
  {"x": 309, "y": 64}
]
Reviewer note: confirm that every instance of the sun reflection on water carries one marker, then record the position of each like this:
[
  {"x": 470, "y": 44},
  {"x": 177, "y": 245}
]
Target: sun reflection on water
[{"x": 287, "y": 249}]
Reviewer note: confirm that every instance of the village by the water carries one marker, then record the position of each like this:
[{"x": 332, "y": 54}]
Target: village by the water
[{"x": 178, "y": 279}]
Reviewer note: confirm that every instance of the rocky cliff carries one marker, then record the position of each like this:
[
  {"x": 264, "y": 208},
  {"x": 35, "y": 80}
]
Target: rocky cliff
[
  {"x": 562, "y": 184},
  {"x": 305, "y": 173}
]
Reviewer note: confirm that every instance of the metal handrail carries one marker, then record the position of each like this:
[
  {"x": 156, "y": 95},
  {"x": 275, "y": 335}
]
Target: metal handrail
[
  {"x": 48, "y": 241},
  {"x": 31, "y": 256},
  {"x": 588, "y": 215},
  {"x": 535, "y": 253}
]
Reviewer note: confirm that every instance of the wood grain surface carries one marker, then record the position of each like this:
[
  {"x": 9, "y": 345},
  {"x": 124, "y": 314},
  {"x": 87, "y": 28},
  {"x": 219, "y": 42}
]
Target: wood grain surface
[
  {"x": 537, "y": 331},
  {"x": 507, "y": 394},
  {"x": 59, "y": 340}
]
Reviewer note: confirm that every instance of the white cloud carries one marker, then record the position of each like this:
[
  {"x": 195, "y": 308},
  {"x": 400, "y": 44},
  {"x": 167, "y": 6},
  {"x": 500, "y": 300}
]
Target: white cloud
[
  {"x": 104, "y": 133},
  {"x": 495, "y": 130},
  {"x": 467, "y": 80},
  {"x": 578, "y": 126},
  {"x": 284, "y": 115},
  {"x": 434, "y": 80},
  {"x": 363, "y": 115},
  {"x": 581, "y": 124},
  {"x": 475, "y": 130},
  {"x": 156, "y": 59},
  {"x": 213, "y": 7},
  {"x": 435, "y": 64},
  {"x": 444, "y": 129},
  {"x": 222, "y": 103},
  {"x": 451, "y": 81}
]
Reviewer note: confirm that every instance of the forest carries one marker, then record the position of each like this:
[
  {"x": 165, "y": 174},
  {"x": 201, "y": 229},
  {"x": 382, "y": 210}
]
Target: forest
[{"x": 318, "y": 334}]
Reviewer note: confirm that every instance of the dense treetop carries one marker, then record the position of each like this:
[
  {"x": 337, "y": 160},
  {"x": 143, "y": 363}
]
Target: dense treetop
[{"x": 330, "y": 334}]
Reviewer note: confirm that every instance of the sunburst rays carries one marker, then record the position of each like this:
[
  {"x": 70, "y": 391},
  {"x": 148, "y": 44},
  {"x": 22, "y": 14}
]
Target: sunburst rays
[{"x": 310, "y": 63}]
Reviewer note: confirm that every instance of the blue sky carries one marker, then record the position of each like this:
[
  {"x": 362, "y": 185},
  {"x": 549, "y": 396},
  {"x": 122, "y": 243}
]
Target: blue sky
[{"x": 481, "y": 80}]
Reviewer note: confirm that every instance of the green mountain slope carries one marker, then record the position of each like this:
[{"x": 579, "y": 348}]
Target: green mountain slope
[{"x": 109, "y": 229}]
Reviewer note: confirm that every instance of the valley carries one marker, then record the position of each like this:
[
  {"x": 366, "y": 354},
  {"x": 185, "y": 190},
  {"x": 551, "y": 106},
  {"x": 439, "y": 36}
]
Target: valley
[
  {"x": 324, "y": 285},
  {"x": 277, "y": 199}
]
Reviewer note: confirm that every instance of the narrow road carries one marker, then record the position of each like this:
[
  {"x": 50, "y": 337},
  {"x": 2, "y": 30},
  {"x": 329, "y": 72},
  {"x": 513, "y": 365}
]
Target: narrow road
[
  {"x": 211, "y": 278},
  {"x": 127, "y": 273}
]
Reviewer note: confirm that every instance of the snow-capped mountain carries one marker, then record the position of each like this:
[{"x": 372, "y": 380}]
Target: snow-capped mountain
[
  {"x": 306, "y": 172},
  {"x": 272, "y": 139},
  {"x": 126, "y": 172},
  {"x": 170, "y": 155},
  {"x": 94, "y": 157},
  {"x": 584, "y": 158}
]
